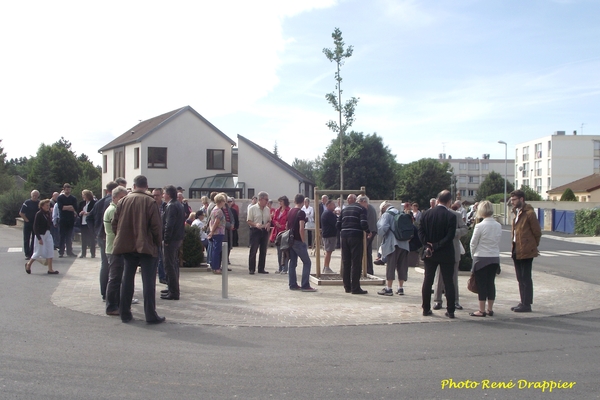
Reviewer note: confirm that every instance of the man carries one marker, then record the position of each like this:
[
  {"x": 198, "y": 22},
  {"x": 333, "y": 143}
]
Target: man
[
  {"x": 526, "y": 234},
  {"x": 28, "y": 210},
  {"x": 236, "y": 227},
  {"x": 116, "y": 261},
  {"x": 157, "y": 194},
  {"x": 323, "y": 204},
  {"x": 461, "y": 230},
  {"x": 173, "y": 233},
  {"x": 351, "y": 224},
  {"x": 328, "y": 227},
  {"x": 416, "y": 213},
  {"x": 310, "y": 220},
  {"x": 393, "y": 251},
  {"x": 296, "y": 221},
  {"x": 54, "y": 228},
  {"x": 95, "y": 219},
  {"x": 138, "y": 230},
  {"x": 187, "y": 210},
  {"x": 459, "y": 207},
  {"x": 432, "y": 203},
  {"x": 437, "y": 230},
  {"x": 67, "y": 206},
  {"x": 259, "y": 220},
  {"x": 363, "y": 201}
]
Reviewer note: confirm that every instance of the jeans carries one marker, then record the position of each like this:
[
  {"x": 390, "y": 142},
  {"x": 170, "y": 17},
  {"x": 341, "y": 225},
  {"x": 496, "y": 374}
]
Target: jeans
[
  {"x": 28, "y": 239},
  {"x": 352, "y": 252},
  {"x": 66, "y": 239},
  {"x": 161, "y": 265},
  {"x": 447, "y": 271},
  {"x": 148, "y": 265},
  {"x": 299, "y": 249},
  {"x": 104, "y": 266},
  {"x": 115, "y": 276},
  {"x": 215, "y": 252},
  {"x": 282, "y": 260},
  {"x": 171, "y": 253},
  {"x": 259, "y": 239}
]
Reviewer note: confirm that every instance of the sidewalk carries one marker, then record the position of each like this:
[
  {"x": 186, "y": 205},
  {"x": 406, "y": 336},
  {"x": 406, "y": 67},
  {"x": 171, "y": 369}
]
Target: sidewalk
[{"x": 265, "y": 300}]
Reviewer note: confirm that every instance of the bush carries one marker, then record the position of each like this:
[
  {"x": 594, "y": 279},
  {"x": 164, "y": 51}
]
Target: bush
[
  {"x": 496, "y": 198},
  {"x": 568, "y": 195},
  {"x": 193, "y": 250},
  {"x": 587, "y": 222},
  {"x": 10, "y": 205},
  {"x": 466, "y": 261}
]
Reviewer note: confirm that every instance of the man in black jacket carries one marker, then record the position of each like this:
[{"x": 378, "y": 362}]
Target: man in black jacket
[
  {"x": 173, "y": 232},
  {"x": 437, "y": 229},
  {"x": 351, "y": 224}
]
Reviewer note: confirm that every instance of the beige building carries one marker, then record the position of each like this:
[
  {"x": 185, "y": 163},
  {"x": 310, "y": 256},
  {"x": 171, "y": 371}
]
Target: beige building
[
  {"x": 556, "y": 160},
  {"x": 586, "y": 189},
  {"x": 469, "y": 172}
]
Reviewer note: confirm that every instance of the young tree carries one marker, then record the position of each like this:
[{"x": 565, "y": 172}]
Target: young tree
[
  {"x": 493, "y": 184},
  {"x": 530, "y": 194},
  {"x": 338, "y": 55},
  {"x": 276, "y": 150},
  {"x": 568, "y": 195},
  {"x": 421, "y": 180}
]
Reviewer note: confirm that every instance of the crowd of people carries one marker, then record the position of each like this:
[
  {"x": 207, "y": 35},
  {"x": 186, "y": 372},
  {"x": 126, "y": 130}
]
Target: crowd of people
[{"x": 138, "y": 228}]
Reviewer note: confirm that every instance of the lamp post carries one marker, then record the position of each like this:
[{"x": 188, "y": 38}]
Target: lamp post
[{"x": 505, "y": 178}]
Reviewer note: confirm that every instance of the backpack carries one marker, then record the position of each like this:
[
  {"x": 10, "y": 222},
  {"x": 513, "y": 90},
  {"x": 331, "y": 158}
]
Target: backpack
[{"x": 402, "y": 227}]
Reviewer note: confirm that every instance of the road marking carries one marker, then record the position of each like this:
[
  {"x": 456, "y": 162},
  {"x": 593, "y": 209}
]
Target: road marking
[
  {"x": 15, "y": 249},
  {"x": 552, "y": 254},
  {"x": 590, "y": 253}
]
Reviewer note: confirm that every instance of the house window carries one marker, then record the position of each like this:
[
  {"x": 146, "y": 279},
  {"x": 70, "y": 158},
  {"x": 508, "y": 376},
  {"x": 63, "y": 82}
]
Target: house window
[
  {"x": 463, "y": 192},
  {"x": 473, "y": 179},
  {"x": 538, "y": 168},
  {"x": 538, "y": 185},
  {"x": 485, "y": 166},
  {"x": 516, "y": 184},
  {"x": 597, "y": 166},
  {"x": 549, "y": 146},
  {"x": 462, "y": 179},
  {"x": 104, "y": 164},
  {"x": 215, "y": 159},
  {"x": 526, "y": 153},
  {"x": 473, "y": 166},
  {"x": 538, "y": 150},
  {"x": 549, "y": 181},
  {"x": 119, "y": 162},
  {"x": 250, "y": 193},
  {"x": 157, "y": 157},
  {"x": 472, "y": 193},
  {"x": 596, "y": 148},
  {"x": 462, "y": 165},
  {"x": 136, "y": 158}
]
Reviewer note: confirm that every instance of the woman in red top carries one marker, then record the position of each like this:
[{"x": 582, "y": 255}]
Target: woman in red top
[{"x": 279, "y": 222}]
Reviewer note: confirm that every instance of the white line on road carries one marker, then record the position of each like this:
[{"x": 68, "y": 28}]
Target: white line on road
[{"x": 15, "y": 249}]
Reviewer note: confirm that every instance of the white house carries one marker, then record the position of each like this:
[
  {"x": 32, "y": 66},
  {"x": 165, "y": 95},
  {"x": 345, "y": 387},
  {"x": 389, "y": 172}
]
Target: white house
[
  {"x": 173, "y": 148},
  {"x": 261, "y": 170},
  {"x": 555, "y": 160}
]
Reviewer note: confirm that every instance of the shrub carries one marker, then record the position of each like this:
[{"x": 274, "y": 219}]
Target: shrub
[
  {"x": 10, "y": 205},
  {"x": 568, "y": 195},
  {"x": 587, "y": 222},
  {"x": 193, "y": 251},
  {"x": 496, "y": 198}
]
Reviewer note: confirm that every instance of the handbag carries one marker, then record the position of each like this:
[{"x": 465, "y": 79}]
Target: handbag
[
  {"x": 472, "y": 284},
  {"x": 285, "y": 239}
]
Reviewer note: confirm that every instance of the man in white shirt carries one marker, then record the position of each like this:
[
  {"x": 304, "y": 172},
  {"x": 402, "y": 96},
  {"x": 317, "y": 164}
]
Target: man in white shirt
[
  {"x": 259, "y": 220},
  {"x": 310, "y": 219}
]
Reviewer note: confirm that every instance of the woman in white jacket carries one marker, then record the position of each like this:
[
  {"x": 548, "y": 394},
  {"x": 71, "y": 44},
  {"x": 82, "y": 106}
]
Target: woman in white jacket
[{"x": 485, "y": 250}]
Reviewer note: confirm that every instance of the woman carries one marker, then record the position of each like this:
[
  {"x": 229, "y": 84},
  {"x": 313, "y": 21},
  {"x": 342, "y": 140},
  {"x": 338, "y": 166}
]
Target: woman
[
  {"x": 485, "y": 250},
  {"x": 190, "y": 219},
  {"x": 43, "y": 247},
  {"x": 310, "y": 220},
  {"x": 87, "y": 232},
  {"x": 216, "y": 233},
  {"x": 279, "y": 223},
  {"x": 205, "y": 202}
]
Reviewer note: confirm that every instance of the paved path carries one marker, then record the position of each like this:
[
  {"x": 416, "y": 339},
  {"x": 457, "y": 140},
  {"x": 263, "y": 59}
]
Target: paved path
[{"x": 265, "y": 300}]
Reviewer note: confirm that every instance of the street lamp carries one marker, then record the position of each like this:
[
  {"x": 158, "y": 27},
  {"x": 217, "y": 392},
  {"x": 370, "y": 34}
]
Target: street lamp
[{"x": 505, "y": 178}]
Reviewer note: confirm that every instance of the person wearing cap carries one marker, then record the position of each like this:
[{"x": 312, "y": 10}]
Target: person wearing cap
[
  {"x": 67, "y": 206},
  {"x": 393, "y": 251}
]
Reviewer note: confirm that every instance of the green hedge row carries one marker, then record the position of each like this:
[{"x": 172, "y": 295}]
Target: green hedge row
[{"x": 587, "y": 222}]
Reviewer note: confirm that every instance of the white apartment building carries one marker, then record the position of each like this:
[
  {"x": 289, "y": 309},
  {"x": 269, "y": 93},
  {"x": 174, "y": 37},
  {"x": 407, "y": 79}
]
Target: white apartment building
[
  {"x": 556, "y": 160},
  {"x": 469, "y": 172}
]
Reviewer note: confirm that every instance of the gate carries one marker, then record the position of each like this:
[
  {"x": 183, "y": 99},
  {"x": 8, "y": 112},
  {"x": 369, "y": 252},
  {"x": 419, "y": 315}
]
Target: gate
[{"x": 563, "y": 221}]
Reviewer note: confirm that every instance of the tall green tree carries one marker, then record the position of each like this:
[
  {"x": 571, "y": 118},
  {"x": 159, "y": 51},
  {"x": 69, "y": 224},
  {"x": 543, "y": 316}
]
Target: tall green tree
[
  {"x": 493, "y": 184},
  {"x": 369, "y": 163},
  {"x": 6, "y": 179},
  {"x": 53, "y": 166},
  {"x": 308, "y": 168},
  {"x": 421, "y": 180},
  {"x": 338, "y": 55},
  {"x": 530, "y": 194}
]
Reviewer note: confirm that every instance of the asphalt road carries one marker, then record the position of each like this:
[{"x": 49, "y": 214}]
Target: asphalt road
[{"x": 48, "y": 352}]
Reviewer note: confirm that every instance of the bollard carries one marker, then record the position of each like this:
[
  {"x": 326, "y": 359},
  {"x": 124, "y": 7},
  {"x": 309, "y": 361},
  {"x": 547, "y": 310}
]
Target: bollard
[{"x": 224, "y": 268}]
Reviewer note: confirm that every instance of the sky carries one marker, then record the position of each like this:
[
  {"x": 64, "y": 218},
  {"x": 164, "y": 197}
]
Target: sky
[{"x": 431, "y": 76}]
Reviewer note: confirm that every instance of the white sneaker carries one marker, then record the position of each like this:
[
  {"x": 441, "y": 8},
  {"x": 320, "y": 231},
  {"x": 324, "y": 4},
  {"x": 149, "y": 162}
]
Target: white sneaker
[
  {"x": 135, "y": 301},
  {"x": 328, "y": 270}
]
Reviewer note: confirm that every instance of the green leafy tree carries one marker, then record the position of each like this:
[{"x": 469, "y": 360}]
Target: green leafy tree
[
  {"x": 6, "y": 179},
  {"x": 369, "y": 163},
  {"x": 18, "y": 166},
  {"x": 421, "y": 180},
  {"x": 307, "y": 168},
  {"x": 568, "y": 195},
  {"x": 53, "y": 166},
  {"x": 338, "y": 55},
  {"x": 530, "y": 194},
  {"x": 493, "y": 184}
]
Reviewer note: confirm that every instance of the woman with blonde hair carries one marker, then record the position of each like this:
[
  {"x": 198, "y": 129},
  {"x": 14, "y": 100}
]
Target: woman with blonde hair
[
  {"x": 485, "y": 250},
  {"x": 43, "y": 247},
  {"x": 88, "y": 238},
  {"x": 216, "y": 232}
]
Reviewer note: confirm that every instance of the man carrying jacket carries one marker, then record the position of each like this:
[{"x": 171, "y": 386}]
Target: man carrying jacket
[{"x": 526, "y": 234}]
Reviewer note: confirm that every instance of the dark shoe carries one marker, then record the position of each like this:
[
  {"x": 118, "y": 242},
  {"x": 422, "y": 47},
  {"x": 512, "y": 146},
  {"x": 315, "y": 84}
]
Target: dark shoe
[
  {"x": 400, "y": 291},
  {"x": 348, "y": 290},
  {"x": 165, "y": 291},
  {"x": 158, "y": 320},
  {"x": 163, "y": 281},
  {"x": 517, "y": 306},
  {"x": 72, "y": 255},
  {"x": 127, "y": 319},
  {"x": 294, "y": 287},
  {"x": 93, "y": 256},
  {"x": 169, "y": 297},
  {"x": 308, "y": 289},
  {"x": 113, "y": 312},
  {"x": 490, "y": 313},
  {"x": 523, "y": 308},
  {"x": 449, "y": 314},
  {"x": 458, "y": 306},
  {"x": 229, "y": 269},
  {"x": 60, "y": 256},
  {"x": 251, "y": 272},
  {"x": 27, "y": 270},
  {"x": 361, "y": 291},
  {"x": 82, "y": 256},
  {"x": 378, "y": 262},
  {"x": 474, "y": 314},
  {"x": 52, "y": 272},
  {"x": 263, "y": 272},
  {"x": 427, "y": 313},
  {"x": 27, "y": 258},
  {"x": 386, "y": 292},
  {"x": 437, "y": 306}
]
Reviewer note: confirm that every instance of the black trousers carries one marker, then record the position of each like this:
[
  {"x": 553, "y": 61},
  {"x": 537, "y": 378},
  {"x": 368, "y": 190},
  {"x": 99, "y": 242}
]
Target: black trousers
[
  {"x": 259, "y": 238},
  {"x": 87, "y": 240},
  {"x": 171, "y": 262},
  {"x": 148, "y": 266},
  {"x": 104, "y": 266},
  {"x": 352, "y": 253},
  {"x": 28, "y": 238},
  {"x": 485, "y": 279},
  {"x": 66, "y": 239},
  {"x": 523, "y": 270},
  {"x": 113, "y": 287},
  {"x": 447, "y": 271},
  {"x": 370, "y": 253}
]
